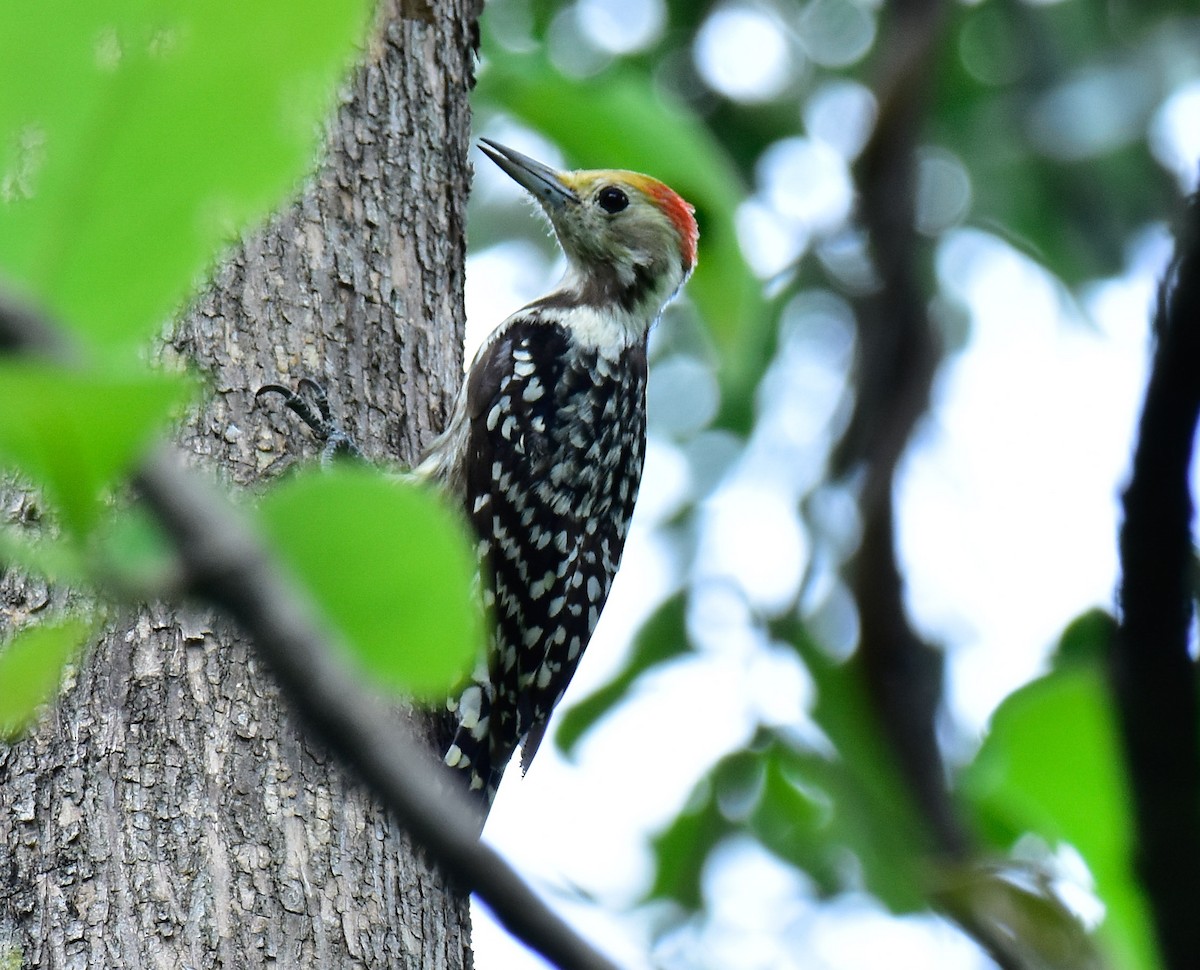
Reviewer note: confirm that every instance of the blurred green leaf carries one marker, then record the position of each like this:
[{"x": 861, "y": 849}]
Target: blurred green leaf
[
  {"x": 77, "y": 432},
  {"x": 808, "y": 809},
  {"x": 663, "y": 637},
  {"x": 137, "y": 136},
  {"x": 681, "y": 851},
  {"x": 1086, "y": 641},
  {"x": 873, "y": 814},
  {"x": 132, "y": 554},
  {"x": 1050, "y": 744},
  {"x": 811, "y": 809},
  {"x": 31, "y": 667},
  {"x": 840, "y": 808},
  {"x": 629, "y": 125},
  {"x": 794, "y": 820},
  {"x": 390, "y": 565},
  {"x": 54, "y": 560},
  {"x": 1018, "y": 101},
  {"x": 1075, "y": 218}
]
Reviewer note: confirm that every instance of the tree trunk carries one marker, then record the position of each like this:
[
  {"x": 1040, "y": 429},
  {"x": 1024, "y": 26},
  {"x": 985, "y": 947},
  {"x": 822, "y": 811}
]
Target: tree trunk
[{"x": 170, "y": 811}]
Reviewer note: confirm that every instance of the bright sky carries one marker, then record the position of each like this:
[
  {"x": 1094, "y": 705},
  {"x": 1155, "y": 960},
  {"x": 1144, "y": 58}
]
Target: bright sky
[{"x": 1008, "y": 523}]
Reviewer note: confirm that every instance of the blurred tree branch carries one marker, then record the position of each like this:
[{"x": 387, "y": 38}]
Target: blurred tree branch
[
  {"x": 1154, "y": 675},
  {"x": 897, "y": 356}
]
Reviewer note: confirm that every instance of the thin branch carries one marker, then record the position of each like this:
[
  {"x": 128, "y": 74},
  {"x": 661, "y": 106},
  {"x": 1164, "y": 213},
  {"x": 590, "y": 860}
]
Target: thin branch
[
  {"x": 1154, "y": 676},
  {"x": 226, "y": 565}
]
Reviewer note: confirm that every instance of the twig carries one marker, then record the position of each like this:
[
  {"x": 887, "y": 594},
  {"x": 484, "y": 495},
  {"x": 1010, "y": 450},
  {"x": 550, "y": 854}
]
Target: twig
[
  {"x": 227, "y": 566},
  {"x": 1154, "y": 676}
]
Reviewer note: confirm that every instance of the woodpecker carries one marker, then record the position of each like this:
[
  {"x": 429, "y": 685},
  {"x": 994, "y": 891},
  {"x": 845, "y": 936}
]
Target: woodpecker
[
  {"x": 546, "y": 442},
  {"x": 545, "y": 445}
]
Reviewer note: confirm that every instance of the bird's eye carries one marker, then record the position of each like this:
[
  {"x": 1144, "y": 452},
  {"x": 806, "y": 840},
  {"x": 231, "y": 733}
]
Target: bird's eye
[{"x": 611, "y": 199}]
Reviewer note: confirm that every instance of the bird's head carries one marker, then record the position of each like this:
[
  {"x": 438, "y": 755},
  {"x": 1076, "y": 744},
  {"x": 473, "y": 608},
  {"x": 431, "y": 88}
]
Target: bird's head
[{"x": 630, "y": 241}]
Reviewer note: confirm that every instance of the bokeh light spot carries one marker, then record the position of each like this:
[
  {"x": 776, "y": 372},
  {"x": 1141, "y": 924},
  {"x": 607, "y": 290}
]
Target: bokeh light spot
[
  {"x": 622, "y": 26},
  {"x": 742, "y": 53},
  {"x": 836, "y": 33}
]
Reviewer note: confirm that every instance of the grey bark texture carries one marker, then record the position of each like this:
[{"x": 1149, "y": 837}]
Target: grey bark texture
[{"x": 169, "y": 811}]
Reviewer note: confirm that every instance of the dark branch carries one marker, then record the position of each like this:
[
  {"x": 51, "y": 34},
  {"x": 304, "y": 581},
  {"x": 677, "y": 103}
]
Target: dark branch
[
  {"x": 231, "y": 570},
  {"x": 1154, "y": 676},
  {"x": 897, "y": 355},
  {"x": 227, "y": 566}
]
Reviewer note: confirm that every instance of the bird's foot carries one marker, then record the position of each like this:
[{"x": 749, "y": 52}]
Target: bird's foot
[{"x": 310, "y": 404}]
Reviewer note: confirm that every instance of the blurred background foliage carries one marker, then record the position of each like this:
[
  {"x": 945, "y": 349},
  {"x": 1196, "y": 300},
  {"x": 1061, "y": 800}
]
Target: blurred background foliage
[{"x": 1061, "y": 131}]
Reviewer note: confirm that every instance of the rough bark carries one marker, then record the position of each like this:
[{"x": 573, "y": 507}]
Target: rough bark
[{"x": 170, "y": 812}]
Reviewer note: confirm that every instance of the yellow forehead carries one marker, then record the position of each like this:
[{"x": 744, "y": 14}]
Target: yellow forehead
[
  {"x": 584, "y": 181},
  {"x": 663, "y": 197}
]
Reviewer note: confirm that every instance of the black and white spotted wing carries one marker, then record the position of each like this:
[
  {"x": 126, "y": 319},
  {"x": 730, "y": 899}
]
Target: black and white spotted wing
[{"x": 556, "y": 446}]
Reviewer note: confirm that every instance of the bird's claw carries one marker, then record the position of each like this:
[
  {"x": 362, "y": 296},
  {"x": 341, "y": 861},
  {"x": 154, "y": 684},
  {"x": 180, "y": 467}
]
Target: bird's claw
[{"x": 310, "y": 404}]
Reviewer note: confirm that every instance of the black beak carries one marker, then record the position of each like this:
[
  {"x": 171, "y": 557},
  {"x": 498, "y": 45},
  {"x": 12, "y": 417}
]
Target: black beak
[{"x": 541, "y": 181}]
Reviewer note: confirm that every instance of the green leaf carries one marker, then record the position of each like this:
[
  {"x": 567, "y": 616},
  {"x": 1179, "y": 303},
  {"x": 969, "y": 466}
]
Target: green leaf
[
  {"x": 77, "y": 432},
  {"x": 808, "y": 809},
  {"x": 662, "y": 638},
  {"x": 133, "y": 555},
  {"x": 794, "y": 821},
  {"x": 1051, "y": 764},
  {"x": 1066, "y": 203},
  {"x": 872, "y": 812},
  {"x": 812, "y": 809},
  {"x": 630, "y": 125},
  {"x": 1086, "y": 641},
  {"x": 138, "y": 136},
  {"x": 53, "y": 559},
  {"x": 390, "y": 566},
  {"x": 31, "y": 667},
  {"x": 815, "y": 810},
  {"x": 681, "y": 851}
]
